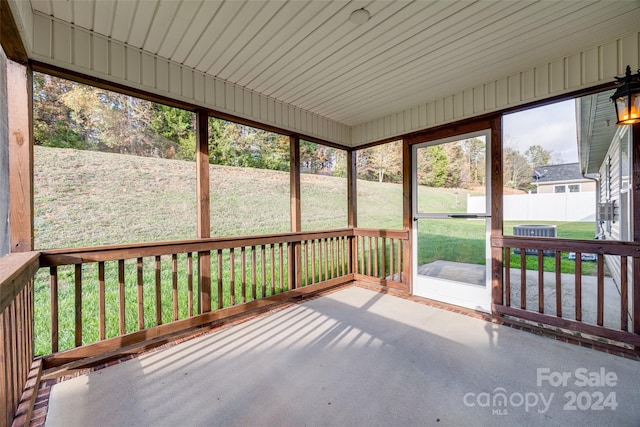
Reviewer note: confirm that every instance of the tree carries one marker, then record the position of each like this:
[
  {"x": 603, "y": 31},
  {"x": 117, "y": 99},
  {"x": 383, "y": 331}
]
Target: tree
[
  {"x": 432, "y": 166},
  {"x": 536, "y": 155},
  {"x": 517, "y": 171},
  {"x": 381, "y": 163},
  {"x": 473, "y": 150}
]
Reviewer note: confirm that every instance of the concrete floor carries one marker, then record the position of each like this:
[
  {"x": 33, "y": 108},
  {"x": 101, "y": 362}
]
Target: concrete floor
[
  {"x": 475, "y": 274},
  {"x": 357, "y": 358}
]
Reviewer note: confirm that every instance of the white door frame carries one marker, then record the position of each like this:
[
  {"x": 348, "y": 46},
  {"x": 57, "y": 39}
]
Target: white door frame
[{"x": 448, "y": 291}]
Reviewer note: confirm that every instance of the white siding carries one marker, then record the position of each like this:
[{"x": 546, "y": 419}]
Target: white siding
[
  {"x": 581, "y": 70},
  {"x": 63, "y": 45}
]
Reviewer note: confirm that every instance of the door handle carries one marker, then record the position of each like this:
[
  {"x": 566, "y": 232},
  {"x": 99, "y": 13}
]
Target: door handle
[{"x": 468, "y": 216}]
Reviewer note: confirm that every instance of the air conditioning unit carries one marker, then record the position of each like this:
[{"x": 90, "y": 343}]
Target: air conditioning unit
[
  {"x": 606, "y": 211},
  {"x": 529, "y": 230}
]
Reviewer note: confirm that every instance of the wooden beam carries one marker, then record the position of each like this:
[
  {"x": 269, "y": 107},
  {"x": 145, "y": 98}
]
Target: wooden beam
[
  {"x": 294, "y": 154},
  {"x": 20, "y": 101},
  {"x": 204, "y": 209},
  {"x": 496, "y": 209},
  {"x": 202, "y": 174},
  {"x": 407, "y": 212},
  {"x": 352, "y": 189},
  {"x": 635, "y": 209},
  {"x": 10, "y": 36},
  {"x": 295, "y": 273}
]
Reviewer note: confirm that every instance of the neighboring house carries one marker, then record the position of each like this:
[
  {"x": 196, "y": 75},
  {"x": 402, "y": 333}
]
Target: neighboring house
[
  {"x": 565, "y": 178},
  {"x": 603, "y": 149}
]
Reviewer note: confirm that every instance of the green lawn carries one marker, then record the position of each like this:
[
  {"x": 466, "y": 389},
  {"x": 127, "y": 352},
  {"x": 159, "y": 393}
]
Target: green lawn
[{"x": 463, "y": 240}]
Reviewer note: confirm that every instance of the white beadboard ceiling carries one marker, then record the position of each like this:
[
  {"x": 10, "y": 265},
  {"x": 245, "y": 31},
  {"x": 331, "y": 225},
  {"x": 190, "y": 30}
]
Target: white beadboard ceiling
[{"x": 308, "y": 53}]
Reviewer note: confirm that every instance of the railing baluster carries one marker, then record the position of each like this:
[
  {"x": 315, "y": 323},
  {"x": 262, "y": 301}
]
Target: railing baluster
[
  {"x": 369, "y": 256},
  {"x": 12, "y": 351},
  {"x": 232, "y": 277},
  {"x": 158, "y": 289},
  {"x": 320, "y": 263},
  {"x": 243, "y": 262},
  {"x": 122, "y": 326},
  {"x": 53, "y": 274},
  {"x": 558, "y": 284},
  {"x": 78, "y": 301},
  {"x": 190, "y": 283},
  {"x": 624, "y": 294},
  {"x": 523, "y": 279},
  {"x": 383, "y": 259},
  {"x": 140, "y": 296},
  {"x": 507, "y": 277},
  {"x": 362, "y": 254},
  {"x": 540, "y": 281},
  {"x": 313, "y": 261},
  {"x": 376, "y": 268},
  {"x": 391, "y": 263},
  {"x": 273, "y": 268},
  {"x": 306, "y": 262},
  {"x": 264, "y": 270},
  {"x": 253, "y": 273},
  {"x": 399, "y": 260},
  {"x": 174, "y": 285},
  {"x": 19, "y": 360},
  {"x": 600, "y": 307},
  {"x": 327, "y": 256},
  {"x": 346, "y": 259},
  {"x": 333, "y": 257},
  {"x": 220, "y": 273},
  {"x": 102, "y": 330},
  {"x": 281, "y": 266},
  {"x": 578, "y": 276}
]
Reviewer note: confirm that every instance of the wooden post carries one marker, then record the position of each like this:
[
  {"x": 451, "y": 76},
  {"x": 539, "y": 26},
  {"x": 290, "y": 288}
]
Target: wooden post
[
  {"x": 204, "y": 212},
  {"x": 352, "y": 189},
  {"x": 352, "y": 205},
  {"x": 496, "y": 210},
  {"x": 19, "y": 101},
  {"x": 407, "y": 214},
  {"x": 635, "y": 206},
  {"x": 295, "y": 272}
]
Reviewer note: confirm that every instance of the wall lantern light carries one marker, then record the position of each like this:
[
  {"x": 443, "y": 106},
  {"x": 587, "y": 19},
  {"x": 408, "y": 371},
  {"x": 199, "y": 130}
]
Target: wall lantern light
[{"x": 626, "y": 99}]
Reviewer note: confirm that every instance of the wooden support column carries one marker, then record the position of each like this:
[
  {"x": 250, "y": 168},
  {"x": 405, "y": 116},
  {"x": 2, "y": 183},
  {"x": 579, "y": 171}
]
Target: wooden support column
[
  {"x": 352, "y": 205},
  {"x": 635, "y": 206},
  {"x": 352, "y": 189},
  {"x": 19, "y": 101},
  {"x": 407, "y": 213},
  {"x": 496, "y": 210},
  {"x": 204, "y": 210},
  {"x": 295, "y": 272}
]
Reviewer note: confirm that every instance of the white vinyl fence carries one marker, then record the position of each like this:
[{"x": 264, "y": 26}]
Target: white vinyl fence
[{"x": 570, "y": 207}]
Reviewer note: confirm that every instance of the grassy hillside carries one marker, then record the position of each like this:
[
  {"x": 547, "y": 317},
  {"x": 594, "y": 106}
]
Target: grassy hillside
[{"x": 86, "y": 198}]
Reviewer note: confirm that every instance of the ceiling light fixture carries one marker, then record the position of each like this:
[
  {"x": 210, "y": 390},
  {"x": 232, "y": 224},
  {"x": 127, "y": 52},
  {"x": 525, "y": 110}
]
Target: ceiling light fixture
[
  {"x": 359, "y": 16},
  {"x": 626, "y": 99}
]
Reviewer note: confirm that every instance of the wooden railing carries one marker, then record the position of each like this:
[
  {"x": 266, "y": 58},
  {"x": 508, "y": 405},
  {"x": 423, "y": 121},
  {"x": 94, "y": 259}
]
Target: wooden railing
[
  {"x": 592, "y": 303},
  {"x": 16, "y": 333},
  {"x": 379, "y": 257},
  {"x": 108, "y": 299}
]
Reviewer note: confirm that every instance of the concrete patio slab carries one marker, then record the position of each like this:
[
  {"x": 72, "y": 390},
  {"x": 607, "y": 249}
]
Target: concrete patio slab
[
  {"x": 475, "y": 275},
  {"x": 358, "y": 358}
]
